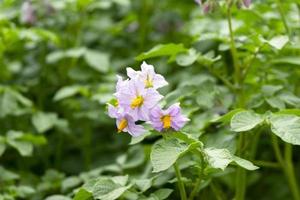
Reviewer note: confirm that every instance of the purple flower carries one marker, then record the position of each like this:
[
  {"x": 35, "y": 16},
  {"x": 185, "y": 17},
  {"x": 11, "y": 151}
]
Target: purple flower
[
  {"x": 148, "y": 76},
  {"x": 198, "y": 2},
  {"x": 169, "y": 118},
  {"x": 207, "y": 7},
  {"x": 27, "y": 13},
  {"x": 138, "y": 100},
  {"x": 124, "y": 122},
  {"x": 247, "y": 3}
]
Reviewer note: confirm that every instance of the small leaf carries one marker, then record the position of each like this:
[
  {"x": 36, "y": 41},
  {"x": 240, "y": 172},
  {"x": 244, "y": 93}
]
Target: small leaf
[
  {"x": 245, "y": 121},
  {"x": 244, "y": 163},
  {"x": 14, "y": 139},
  {"x": 162, "y": 194},
  {"x": 287, "y": 127},
  {"x": 162, "y": 50},
  {"x": 44, "y": 121},
  {"x": 67, "y": 91},
  {"x": 2, "y": 145},
  {"x": 221, "y": 158},
  {"x": 97, "y": 60},
  {"x": 186, "y": 59},
  {"x": 287, "y": 60},
  {"x": 58, "y": 197},
  {"x": 82, "y": 194},
  {"x": 279, "y": 42},
  {"x": 70, "y": 183},
  {"x": 165, "y": 153},
  {"x": 275, "y": 102},
  {"x": 6, "y": 175},
  {"x": 218, "y": 158},
  {"x": 106, "y": 189},
  {"x": 227, "y": 117}
]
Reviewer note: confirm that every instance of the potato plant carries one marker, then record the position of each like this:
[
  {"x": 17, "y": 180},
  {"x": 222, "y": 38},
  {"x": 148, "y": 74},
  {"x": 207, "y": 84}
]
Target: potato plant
[{"x": 149, "y": 100}]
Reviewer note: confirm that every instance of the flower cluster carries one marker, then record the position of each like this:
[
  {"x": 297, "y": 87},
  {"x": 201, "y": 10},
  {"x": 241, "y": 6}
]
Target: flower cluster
[
  {"x": 137, "y": 99},
  {"x": 211, "y": 5}
]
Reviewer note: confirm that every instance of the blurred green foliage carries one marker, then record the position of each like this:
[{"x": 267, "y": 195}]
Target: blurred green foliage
[{"x": 58, "y": 66}]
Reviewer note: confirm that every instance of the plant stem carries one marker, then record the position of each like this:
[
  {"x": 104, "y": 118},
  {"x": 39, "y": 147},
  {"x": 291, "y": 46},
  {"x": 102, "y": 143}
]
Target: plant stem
[
  {"x": 233, "y": 48},
  {"x": 286, "y": 165},
  {"x": 241, "y": 173},
  {"x": 282, "y": 15},
  {"x": 216, "y": 191},
  {"x": 195, "y": 189},
  {"x": 262, "y": 163},
  {"x": 180, "y": 183},
  {"x": 290, "y": 171}
]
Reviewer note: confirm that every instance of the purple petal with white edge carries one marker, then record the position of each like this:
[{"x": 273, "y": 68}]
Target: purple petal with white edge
[
  {"x": 157, "y": 125},
  {"x": 151, "y": 98},
  {"x": 159, "y": 81},
  {"x": 143, "y": 113},
  {"x": 112, "y": 111},
  {"x": 147, "y": 69},
  {"x": 156, "y": 112},
  {"x": 178, "y": 122},
  {"x": 174, "y": 110},
  {"x": 135, "y": 130},
  {"x": 131, "y": 73}
]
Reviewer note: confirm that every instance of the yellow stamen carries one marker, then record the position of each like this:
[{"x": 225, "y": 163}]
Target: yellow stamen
[
  {"x": 137, "y": 102},
  {"x": 148, "y": 82},
  {"x": 166, "y": 120},
  {"x": 122, "y": 125}
]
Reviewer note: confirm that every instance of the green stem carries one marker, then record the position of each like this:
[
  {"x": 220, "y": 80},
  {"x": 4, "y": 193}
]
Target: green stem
[
  {"x": 262, "y": 163},
  {"x": 180, "y": 183},
  {"x": 233, "y": 48},
  {"x": 290, "y": 171},
  {"x": 282, "y": 15},
  {"x": 286, "y": 165},
  {"x": 216, "y": 190},
  {"x": 87, "y": 139},
  {"x": 241, "y": 174},
  {"x": 195, "y": 189}
]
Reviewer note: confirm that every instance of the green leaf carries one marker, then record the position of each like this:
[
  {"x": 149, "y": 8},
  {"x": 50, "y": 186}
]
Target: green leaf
[
  {"x": 275, "y": 102},
  {"x": 97, "y": 60},
  {"x": 287, "y": 60},
  {"x": 82, "y": 194},
  {"x": 2, "y": 145},
  {"x": 186, "y": 59},
  {"x": 106, "y": 189},
  {"x": 279, "y": 42},
  {"x": 244, "y": 163},
  {"x": 14, "y": 139},
  {"x": 44, "y": 121},
  {"x": 143, "y": 184},
  {"x": 163, "y": 50},
  {"x": 227, "y": 117},
  {"x": 165, "y": 153},
  {"x": 245, "y": 121},
  {"x": 221, "y": 158},
  {"x": 70, "y": 182},
  {"x": 6, "y": 175},
  {"x": 218, "y": 158},
  {"x": 287, "y": 127},
  {"x": 289, "y": 112},
  {"x": 58, "y": 197},
  {"x": 67, "y": 91},
  {"x": 162, "y": 194}
]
